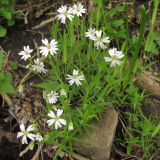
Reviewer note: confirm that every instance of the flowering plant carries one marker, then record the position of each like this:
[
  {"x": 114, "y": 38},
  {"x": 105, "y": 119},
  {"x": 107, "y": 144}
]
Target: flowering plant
[{"x": 81, "y": 74}]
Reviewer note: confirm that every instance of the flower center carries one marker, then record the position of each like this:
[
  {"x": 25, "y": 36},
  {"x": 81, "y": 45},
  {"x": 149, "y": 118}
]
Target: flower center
[
  {"x": 25, "y": 133},
  {"x": 65, "y": 13},
  {"x": 56, "y": 118},
  {"x": 75, "y": 77},
  {"x": 99, "y": 39},
  {"x": 27, "y": 53},
  {"x": 114, "y": 58},
  {"x": 48, "y": 46}
]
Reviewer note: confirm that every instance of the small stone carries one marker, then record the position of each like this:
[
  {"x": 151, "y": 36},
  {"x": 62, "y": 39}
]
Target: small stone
[
  {"x": 98, "y": 144},
  {"x": 151, "y": 83}
]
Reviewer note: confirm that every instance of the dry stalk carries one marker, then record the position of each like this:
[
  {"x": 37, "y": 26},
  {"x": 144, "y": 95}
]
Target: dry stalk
[
  {"x": 44, "y": 23},
  {"x": 36, "y": 155},
  {"x": 24, "y": 151}
]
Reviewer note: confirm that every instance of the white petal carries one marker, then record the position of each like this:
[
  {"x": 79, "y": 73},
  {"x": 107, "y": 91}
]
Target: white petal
[
  {"x": 22, "y": 127},
  {"x": 31, "y": 136},
  {"x": 81, "y": 77},
  {"x": 113, "y": 63},
  {"x": 57, "y": 125},
  {"x": 99, "y": 33},
  {"x": 75, "y": 72},
  {"x": 106, "y": 40},
  {"x": 50, "y": 122},
  {"x": 62, "y": 121},
  {"x": 102, "y": 45},
  {"x": 45, "y": 41},
  {"x": 108, "y": 59},
  {"x": 77, "y": 82},
  {"x": 118, "y": 62},
  {"x": 59, "y": 112},
  {"x": 119, "y": 55},
  {"x": 71, "y": 82},
  {"x": 111, "y": 52},
  {"x": 19, "y": 134},
  {"x": 51, "y": 114},
  {"x": 24, "y": 140},
  {"x": 30, "y": 128}
]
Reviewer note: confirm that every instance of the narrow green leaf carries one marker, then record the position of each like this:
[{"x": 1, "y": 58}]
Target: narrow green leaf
[
  {"x": 115, "y": 10},
  {"x": 156, "y": 130},
  {"x": 1, "y": 59},
  {"x": 138, "y": 44},
  {"x": 64, "y": 48}
]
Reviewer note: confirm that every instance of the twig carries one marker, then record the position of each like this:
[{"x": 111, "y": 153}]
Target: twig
[
  {"x": 7, "y": 99},
  {"x": 9, "y": 102},
  {"x": 25, "y": 77},
  {"x": 44, "y": 23},
  {"x": 25, "y": 17},
  {"x": 24, "y": 151},
  {"x": 42, "y": 11},
  {"x": 36, "y": 155},
  {"x": 37, "y": 48}
]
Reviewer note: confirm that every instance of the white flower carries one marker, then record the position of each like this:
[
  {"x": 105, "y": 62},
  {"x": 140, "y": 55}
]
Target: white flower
[
  {"x": 64, "y": 13},
  {"x": 70, "y": 126},
  {"x": 115, "y": 56},
  {"x": 49, "y": 47},
  {"x": 55, "y": 118},
  {"x": 52, "y": 97},
  {"x": 63, "y": 92},
  {"x": 38, "y": 66},
  {"x": 90, "y": 33},
  {"x": 99, "y": 40},
  {"x": 78, "y": 9},
  {"x": 26, "y": 52},
  {"x": 39, "y": 137},
  {"x": 75, "y": 78},
  {"x": 26, "y": 133}
]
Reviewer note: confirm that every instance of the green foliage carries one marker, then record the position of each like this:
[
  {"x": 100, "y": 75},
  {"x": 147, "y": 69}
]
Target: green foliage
[
  {"x": 134, "y": 96},
  {"x": 7, "y": 12},
  {"x": 5, "y": 78},
  {"x": 151, "y": 44},
  {"x": 138, "y": 43},
  {"x": 145, "y": 132}
]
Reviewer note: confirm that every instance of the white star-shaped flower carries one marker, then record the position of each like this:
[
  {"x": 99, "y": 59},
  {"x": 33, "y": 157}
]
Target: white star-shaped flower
[
  {"x": 91, "y": 33},
  {"x": 99, "y": 40},
  {"x": 39, "y": 137},
  {"x": 38, "y": 66},
  {"x": 49, "y": 47},
  {"x": 64, "y": 13},
  {"x": 115, "y": 57},
  {"x": 78, "y": 9},
  {"x": 52, "y": 97},
  {"x": 75, "y": 78},
  {"x": 55, "y": 119},
  {"x": 26, "y": 133},
  {"x": 25, "y": 53}
]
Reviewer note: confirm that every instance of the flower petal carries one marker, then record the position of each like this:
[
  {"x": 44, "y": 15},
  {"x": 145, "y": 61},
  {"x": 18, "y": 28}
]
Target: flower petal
[{"x": 22, "y": 127}]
